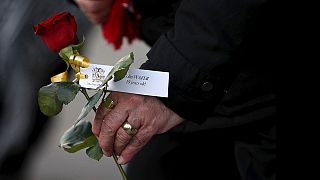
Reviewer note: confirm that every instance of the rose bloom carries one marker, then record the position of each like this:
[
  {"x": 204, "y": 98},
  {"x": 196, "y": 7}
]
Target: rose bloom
[{"x": 58, "y": 31}]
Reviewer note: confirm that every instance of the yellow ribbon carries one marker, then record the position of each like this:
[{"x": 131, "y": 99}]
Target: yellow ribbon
[
  {"x": 62, "y": 77},
  {"x": 76, "y": 61},
  {"x": 79, "y": 75}
]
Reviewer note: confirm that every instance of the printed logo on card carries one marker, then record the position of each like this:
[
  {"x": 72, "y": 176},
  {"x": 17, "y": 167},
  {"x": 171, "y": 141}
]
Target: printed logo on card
[{"x": 98, "y": 75}]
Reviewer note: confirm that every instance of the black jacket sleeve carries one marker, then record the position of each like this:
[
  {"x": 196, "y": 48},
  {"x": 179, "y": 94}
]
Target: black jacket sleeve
[{"x": 201, "y": 53}]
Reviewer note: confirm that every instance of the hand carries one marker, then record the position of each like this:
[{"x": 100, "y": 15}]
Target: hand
[
  {"x": 147, "y": 114},
  {"x": 96, "y": 10}
]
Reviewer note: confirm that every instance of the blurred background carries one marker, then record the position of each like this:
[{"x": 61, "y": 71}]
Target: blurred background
[{"x": 29, "y": 140}]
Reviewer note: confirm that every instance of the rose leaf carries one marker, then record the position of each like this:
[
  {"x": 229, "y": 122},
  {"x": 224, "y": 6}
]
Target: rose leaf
[
  {"x": 66, "y": 52},
  {"x": 48, "y": 101},
  {"x": 120, "y": 69},
  {"x": 90, "y": 104},
  {"x": 78, "y": 137},
  {"x": 121, "y": 73},
  {"x": 79, "y": 46},
  {"x": 67, "y": 91},
  {"x": 95, "y": 152}
]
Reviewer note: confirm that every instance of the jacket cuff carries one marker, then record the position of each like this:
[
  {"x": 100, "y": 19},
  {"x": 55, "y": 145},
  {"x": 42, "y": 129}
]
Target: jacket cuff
[{"x": 192, "y": 93}]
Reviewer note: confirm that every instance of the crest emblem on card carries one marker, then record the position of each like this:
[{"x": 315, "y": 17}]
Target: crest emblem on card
[{"x": 98, "y": 74}]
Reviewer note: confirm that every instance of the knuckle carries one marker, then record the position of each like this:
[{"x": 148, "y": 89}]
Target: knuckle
[
  {"x": 108, "y": 130},
  {"x": 137, "y": 142},
  {"x": 145, "y": 109},
  {"x": 122, "y": 138},
  {"x": 134, "y": 99}
]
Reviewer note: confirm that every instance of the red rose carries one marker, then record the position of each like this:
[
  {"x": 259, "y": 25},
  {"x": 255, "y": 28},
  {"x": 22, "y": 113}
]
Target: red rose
[{"x": 58, "y": 31}]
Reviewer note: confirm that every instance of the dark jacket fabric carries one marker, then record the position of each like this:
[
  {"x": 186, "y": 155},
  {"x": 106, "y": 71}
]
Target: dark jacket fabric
[
  {"x": 220, "y": 55},
  {"x": 220, "y": 58}
]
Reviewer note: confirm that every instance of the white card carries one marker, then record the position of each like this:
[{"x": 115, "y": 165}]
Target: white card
[{"x": 136, "y": 81}]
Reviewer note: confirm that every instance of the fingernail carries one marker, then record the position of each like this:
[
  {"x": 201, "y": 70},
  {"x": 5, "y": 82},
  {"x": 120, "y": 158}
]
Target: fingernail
[{"x": 120, "y": 160}]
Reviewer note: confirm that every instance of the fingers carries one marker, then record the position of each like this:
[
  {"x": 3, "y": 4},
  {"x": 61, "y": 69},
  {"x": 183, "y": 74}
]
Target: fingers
[
  {"x": 123, "y": 138},
  {"x": 101, "y": 112},
  {"x": 111, "y": 123},
  {"x": 95, "y": 10},
  {"x": 147, "y": 112},
  {"x": 135, "y": 145}
]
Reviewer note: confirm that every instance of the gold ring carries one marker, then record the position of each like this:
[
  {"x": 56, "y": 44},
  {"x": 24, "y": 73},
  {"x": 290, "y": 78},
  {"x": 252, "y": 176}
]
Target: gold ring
[{"x": 128, "y": 128}]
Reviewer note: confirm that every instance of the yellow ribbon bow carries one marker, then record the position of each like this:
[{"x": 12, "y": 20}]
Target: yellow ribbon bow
[{"x": 76, "y": 61}]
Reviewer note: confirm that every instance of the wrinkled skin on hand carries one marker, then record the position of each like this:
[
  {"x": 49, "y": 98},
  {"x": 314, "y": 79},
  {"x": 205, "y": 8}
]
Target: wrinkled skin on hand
[
  {"x": 96, "y": 10},
  {"x": 148, "y": 114}
]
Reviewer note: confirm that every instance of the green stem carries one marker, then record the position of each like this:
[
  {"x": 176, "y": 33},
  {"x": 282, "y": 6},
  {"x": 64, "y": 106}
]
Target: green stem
[
  {"x": 104, "y": 93},
  {"x": 84, "y": 92},
  {"x": 123, "y": 173},
  {"x": 119, "y": 166}
]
